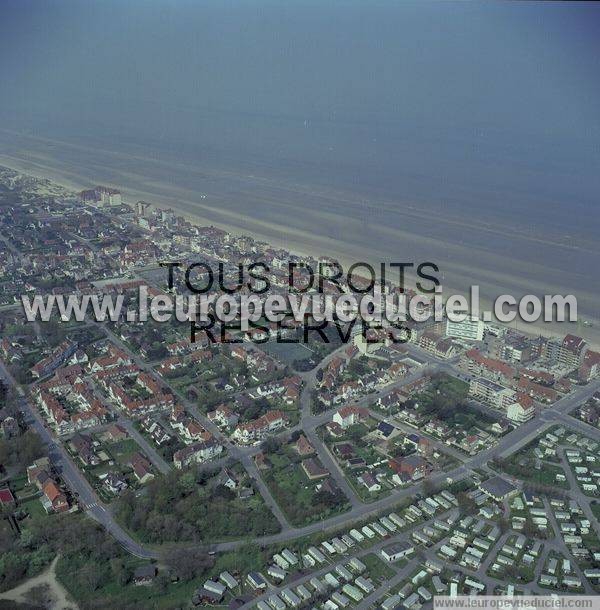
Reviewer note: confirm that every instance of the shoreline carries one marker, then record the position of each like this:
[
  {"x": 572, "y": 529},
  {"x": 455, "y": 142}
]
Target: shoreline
[{"x": 294, "y": 246}]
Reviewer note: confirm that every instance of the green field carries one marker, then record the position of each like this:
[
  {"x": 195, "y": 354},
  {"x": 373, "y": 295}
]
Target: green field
[
  {"x": 296, "y": 494},
  {"x": 378, "y": 570}
]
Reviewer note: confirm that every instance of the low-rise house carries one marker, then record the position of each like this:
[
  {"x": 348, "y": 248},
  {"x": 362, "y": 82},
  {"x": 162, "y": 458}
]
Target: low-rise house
[
  {"x": 349, "y": 416},
  {"x": 156, "y": 431},
  {"x": 256, "y": 581},
  {"x": 116, "y": 433},
  {"x": 228, "y": 479},
  {"x": 197, "y": 453},
  {"x": 369, "y": 481},
  {"x": 84, "y": 446},
  {"x": 548, "y": 580},
  {"x": 113, "y": 483},
  {"x": 259, "y": 428},
  {"x": 303, "y": 446},
  {"x": 276, "y": 572},
  {"x": 228, "y": 580},
  {"x": 215, "y": 587},
  {"x": 397, "y": 551},
  {"x": 141, "y": 467},
  {"x": 10, "y": 427},
  {"x": 357, "y": 565},
  {"x": 144, "y": 575},
  {"x": 59, "y": 355},
  {"x": 313, "y": 469},
  {"x": 54, "y": 499},
  {"x": 365, "y": 584},
  {"x": 413, "y": 466},
  {"x": 339, "y": 599},
  {"x": 353, "y": 592},
  {"x": 6, "y": 498},
  {"x": 498, "y": 488}
]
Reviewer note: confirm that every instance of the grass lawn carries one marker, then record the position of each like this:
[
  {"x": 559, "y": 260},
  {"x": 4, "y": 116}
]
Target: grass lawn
[
  {"x": 166, "y": 450},
  {"x": 121, "y": 451},
  {"x": 365, "y": 451},
  {"x": 19, "y": 483},
  {"x": 33, "y": 507},
  {"x": 361, "y": 491},
  {"x": 527, "y": 472},
  {"x": 174, "y": 595},
  {"x": 591, "y": 542},
  {"x": 194, "y": 511},
  {"x": 295, "y": 493},
  {"x": 378, "y": 570}
]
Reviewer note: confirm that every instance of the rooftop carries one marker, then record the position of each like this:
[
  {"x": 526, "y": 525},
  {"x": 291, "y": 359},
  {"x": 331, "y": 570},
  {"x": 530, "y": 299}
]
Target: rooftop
[{"x": 497, "y": 487}]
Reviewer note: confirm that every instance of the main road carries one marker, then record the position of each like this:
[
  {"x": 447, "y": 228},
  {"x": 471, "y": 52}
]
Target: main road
[
  {"x": 507, "y": 444},
  {"x": 72, "y": 476}
]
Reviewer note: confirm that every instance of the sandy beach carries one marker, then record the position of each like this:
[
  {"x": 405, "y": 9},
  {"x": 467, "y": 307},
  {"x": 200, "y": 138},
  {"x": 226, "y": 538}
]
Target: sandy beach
[{"x": 274, "y": 213}]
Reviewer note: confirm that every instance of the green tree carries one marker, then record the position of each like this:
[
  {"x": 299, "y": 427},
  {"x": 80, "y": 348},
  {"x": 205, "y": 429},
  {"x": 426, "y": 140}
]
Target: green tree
[
  {"x": 119, "y": 571},
  {"x": 271, "y": 445}
]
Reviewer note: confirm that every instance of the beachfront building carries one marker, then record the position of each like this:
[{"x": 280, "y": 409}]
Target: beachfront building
[{"x": 469, "y": 329}]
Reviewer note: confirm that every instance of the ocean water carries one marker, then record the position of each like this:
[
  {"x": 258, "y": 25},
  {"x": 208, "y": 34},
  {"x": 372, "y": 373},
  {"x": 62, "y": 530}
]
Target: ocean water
[
  {"x": 522, "y": 251},
  {"x": 463, "y": 134}
]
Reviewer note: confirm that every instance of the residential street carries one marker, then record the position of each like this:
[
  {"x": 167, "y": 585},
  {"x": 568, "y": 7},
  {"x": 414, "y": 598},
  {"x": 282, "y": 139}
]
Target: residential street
[{"x": 309, "y": 422}]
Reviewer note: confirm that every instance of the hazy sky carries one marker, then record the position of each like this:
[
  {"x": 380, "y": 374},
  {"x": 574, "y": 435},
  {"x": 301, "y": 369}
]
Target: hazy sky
[
  {"x": 462, "y": 132},
  {"x": 478, "y": 108},
  {"x": 532, "y": 67}
]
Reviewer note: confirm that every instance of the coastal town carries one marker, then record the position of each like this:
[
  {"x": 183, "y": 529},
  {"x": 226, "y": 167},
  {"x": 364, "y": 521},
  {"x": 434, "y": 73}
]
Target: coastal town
[{"x": 256, "y": 473}]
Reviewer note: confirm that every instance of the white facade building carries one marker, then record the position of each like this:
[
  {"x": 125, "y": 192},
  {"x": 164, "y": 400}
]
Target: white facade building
[{"x": 469, "y": 329}]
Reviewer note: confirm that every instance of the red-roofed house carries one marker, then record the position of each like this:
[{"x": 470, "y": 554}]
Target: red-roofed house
[
  {"x": 537, "y": 391},
  {"x": 55, "y": 500},
  {"x": 349, "y": 416},
  {"x": 303, "y": 446},
  {"x": 590, "y": 367},
  {"x": 259, "y": 428},
  {"x": 491, "y": 368},
  {"x": 141, "y": 467},
  {"x": 412, "y": 465},
  {"x": 224, "y": 416},
  {"x": 6, "y": 497},
  {"x": 521, "y": 410}
]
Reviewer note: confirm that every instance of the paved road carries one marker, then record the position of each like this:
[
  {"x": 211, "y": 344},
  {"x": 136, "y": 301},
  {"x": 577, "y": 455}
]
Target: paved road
[
  {"x": 578, "y": 426},
  {"x": 577, "y": 493},
  {"x": 151, "y": 453},
  {"x": 407, "y": 429},
  {"x": 387, "y": 586},
  {"x": 244, "y": 456},
  {"x": 559, "y": 546},
  {"x": 308, "y": 424},
  {"x": 250, "y": 466},
  {"x": 74, "y": 478},
  {"x": 491, "y": 583},
  {"x": 506, "y": 445},
  {"x": 403, "y": 536}
]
